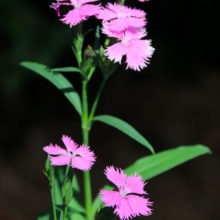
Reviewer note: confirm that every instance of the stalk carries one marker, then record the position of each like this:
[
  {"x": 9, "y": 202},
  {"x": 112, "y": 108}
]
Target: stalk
[
  {"x": 85, "y": 133},
  {"x": 65, "y": 211},
  {"x": 53, "y": 203},
  {"x": 50, "y": 175},
  {"x": 65, "y": 203},
  {"x": 95, "y": 103}
]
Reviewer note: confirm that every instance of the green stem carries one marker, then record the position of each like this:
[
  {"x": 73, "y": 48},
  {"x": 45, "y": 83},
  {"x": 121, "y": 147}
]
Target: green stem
[
  {"x": 86, "y": 120},
  {"x": 52, "y": 191},
  {"x": 67, "y": 171},
  {"x": 85, "y": 132},
  {"x": 65, "y": 205},
  {"x": 95, "y": 103},
  {"x": 65, "y": 211},
  {"x": 84, "y": 106},
  {"x": 87, "y": 183},
  {"x": 64, "y": 202},
  {"x": 53, "y": 203}
]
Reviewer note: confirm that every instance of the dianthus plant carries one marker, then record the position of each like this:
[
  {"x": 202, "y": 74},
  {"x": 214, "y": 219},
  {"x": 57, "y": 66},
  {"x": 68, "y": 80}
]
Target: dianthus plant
[{"x": 126, "y": 43}]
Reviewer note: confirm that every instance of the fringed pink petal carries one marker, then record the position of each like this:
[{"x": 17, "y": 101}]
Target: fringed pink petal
[
  {"x": 106, "y": 29},
  {"x": 135, "y": 184},
  {"x": 138, "y": 54},
  {"x": 123, "y": 24},
  {"x": 71, "y": 146},
  {"x": 73, "y": 17},
  {"x": 85, "y": 153},
  {"x": 89, "y": 10},
  {"x": 55, "y": 150},
  {"x": 125, "y": 11},
  {"x": 116, "y": 11},
  {"x": 110, "y": 198},
  {"x": 124, "y": 210},
  {"x": 83, "y": 159},
  {"x": 139, "y": 205},
  {"x": 134, "y": 12},
  {"x": 115, "y": 175},
  {"x": 105, "y": 14},
  {"x": 80, "y": 163},
  {"x": 132, "y": 33},
  {"x": 60, "y": 160},
  {"x": 116, "y": 52}
]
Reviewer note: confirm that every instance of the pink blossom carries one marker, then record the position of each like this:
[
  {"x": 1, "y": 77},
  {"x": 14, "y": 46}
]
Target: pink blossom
[
  {"x": 128, "y": 199},
  {"x": 77, "y": 157},
  {"x": 80, "y": 12},
  {"x": 120, "y": 17},
  {"x": 136, "y": 50}
]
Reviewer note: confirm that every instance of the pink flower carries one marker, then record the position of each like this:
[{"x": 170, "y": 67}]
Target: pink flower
[
  {"x": 80, "y": 12},
  {"x": 128, "y": 199},
  {"x": 136, "y": 50},
  {"x": 121, "y": 17},
  {"x": 77, "y": 157}
]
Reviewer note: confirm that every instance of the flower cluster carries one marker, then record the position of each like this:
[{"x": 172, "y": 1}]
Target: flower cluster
[
  {"x": 121, "y": 22},
  {"x": 127, "y": 25}
]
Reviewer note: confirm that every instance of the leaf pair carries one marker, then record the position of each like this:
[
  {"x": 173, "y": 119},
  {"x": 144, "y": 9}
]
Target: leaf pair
[{"x": 68, "y": 90}]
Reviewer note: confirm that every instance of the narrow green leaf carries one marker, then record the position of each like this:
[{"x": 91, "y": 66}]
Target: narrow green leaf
[
  {"x": 66, "y": 69},
  {"x": 154, "y": 165},
  {"x": 59, "y": 81},
  {"x": 124, "y": 127},
  {"x": 158, "y": 163}
]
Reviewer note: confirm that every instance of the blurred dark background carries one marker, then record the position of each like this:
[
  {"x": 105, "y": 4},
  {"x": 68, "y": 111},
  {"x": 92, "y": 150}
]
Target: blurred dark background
[{"x": 174, "y": 101}]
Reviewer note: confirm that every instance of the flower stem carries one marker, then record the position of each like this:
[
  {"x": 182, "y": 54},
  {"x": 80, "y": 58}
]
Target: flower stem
[
  {"x": 53, "y": 203},
  {"x": 95, "y": 103},
  {"x": 86, "y": 120},
  {"x": 65, "y": 204},
  {"x": 84, "y": 106},
  {"x": 85, "y": 132},
  {"x": 65, "y": 211},
  {"x": 67, "y": 171},
  {"x": 52, "y": 185},
  {"x": 87, "y": 184}
]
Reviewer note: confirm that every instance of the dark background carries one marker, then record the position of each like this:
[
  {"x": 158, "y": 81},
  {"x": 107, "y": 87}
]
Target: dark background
[{"x": 174, "y": 101}]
